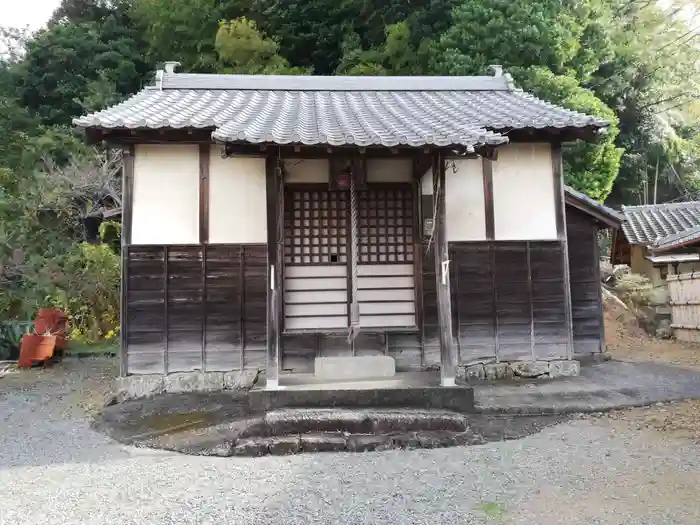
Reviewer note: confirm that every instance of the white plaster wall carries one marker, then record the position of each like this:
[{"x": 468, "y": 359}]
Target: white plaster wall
[
  {"x": 306, "y": 170},
  {"x": 523, "y": 193},
  {"x": 237, "y": 199},
  {"x": 166, "y": 194},
  {"x": 464, "y": 200},
  {"x": 389, "y": 170}
]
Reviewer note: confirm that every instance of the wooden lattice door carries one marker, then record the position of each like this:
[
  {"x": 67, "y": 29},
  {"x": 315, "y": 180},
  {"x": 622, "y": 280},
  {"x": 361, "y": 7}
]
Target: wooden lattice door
[
  {"x": 317, "y": 258},
  {"x": 316, "y": 252}
]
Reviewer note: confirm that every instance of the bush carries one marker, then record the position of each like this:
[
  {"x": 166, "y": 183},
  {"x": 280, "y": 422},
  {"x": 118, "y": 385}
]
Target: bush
[
  {"x": 11, "y": 333},
  {"x": 634, "y": 289},
  {"x": 88, "y": 291}
]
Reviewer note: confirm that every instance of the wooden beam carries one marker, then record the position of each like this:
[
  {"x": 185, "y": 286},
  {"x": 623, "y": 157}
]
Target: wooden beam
[
  {"x": 273, "y": 287},
  {"x": 127, "y": 214},
  {"x": 530, "y": 299},
  {"x": 487, "y": 170},
  {"x": 204, "y": 153},
  {"x": 204, "y": 307},
  {"x": 601, "y": 311},
  {"x": 241, "y": 303},
  {"x": 560, "y": 207},
  {"x": 442, "y": 275},
  {"x": 166, "y": 320},
  {"x": 420, "y": 167},
  {"x": 204, "y": 161},
  {"x": 494, "y": 300}
]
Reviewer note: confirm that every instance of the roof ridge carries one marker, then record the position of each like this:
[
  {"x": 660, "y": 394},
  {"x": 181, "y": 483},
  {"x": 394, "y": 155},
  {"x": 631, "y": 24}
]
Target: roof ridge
[
  {"x": 661, "y": 204},
  {"x": 215, "y": 81}
]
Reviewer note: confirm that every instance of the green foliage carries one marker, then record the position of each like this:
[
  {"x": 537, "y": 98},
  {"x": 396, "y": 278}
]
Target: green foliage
[
  {"x": 396, "y": 56},
  {"x": 312, "y": 33},
  {"x": 88, "y": 291},
  {"x": 111, "y": 234},
  {"x": 242, "y": 49},
  {"x": 651, "y": 81},
  {"x": 11, "y": 333},
  {"x": 182, "y": 30},
  {"x": 515, "y": 33},
  {"x": 67, "y": 65}
]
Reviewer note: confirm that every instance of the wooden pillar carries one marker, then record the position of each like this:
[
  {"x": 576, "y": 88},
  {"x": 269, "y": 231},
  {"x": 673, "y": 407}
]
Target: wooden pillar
[
  {"x": 204, "y": 161},
  {"x": 490, "y": 224},
  {"x": 601, "y": 311},
  {"x": 448, "y": 359},
  {"x": 560, "y": 203},
  {"x": 274, "y": 291},
  {"x": 127, "y": 206},
  {"x": 420, "y": 167}
]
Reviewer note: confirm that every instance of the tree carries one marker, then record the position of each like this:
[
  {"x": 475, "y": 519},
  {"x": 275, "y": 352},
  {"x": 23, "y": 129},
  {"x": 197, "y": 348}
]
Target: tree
[
  {"x": 182, "y": 30},
  {"x": 515, "y": 33},
  {"x": 396, "y": 56},
  {"x": 651, "y": 81},
  {"x": 66, "y": 64},
  {"x": 242, "y": 49}
]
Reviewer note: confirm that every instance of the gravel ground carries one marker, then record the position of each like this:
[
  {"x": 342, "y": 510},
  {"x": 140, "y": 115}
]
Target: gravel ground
[{"x": 55, "y": 470}]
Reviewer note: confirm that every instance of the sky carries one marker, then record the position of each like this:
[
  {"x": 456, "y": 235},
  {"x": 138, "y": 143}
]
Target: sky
[{"x": 21, "y": 13}]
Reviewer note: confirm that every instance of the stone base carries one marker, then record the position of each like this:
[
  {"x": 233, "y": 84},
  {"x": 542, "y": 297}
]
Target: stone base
[
  {"x": 520, "y": 369},
  {"x": 354, "y": 368},
  {"x": 141, "y": 386}
]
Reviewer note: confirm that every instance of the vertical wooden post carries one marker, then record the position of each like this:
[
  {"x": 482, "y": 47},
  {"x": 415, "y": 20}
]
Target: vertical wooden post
[
  {"x": 442, "y": 275},
  {"x": 204, "y": 161},
  {"x": 420, "y": 167},
  {"x": 560, "y": 207},
  {"x": 273, "y": 285},
  {"x": 601, "y": 312},
  {"x": 529, "y": 295},
  {"x": 166, "y": 320},
  {"x": 490, "y": 224},
  {"x": 127, "y": 206},
  {"x": 241, "y": 304}
]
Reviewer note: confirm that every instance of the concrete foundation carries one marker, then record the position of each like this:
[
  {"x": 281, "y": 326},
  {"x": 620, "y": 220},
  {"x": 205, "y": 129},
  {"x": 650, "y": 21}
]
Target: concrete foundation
[
  {"x": 523, "y": 369},
  {"x": 354, "y": 368},
  {"x": 141, "y": 386}
]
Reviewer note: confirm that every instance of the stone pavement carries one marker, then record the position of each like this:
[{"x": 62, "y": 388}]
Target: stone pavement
[{"x": 600, "y": 387}]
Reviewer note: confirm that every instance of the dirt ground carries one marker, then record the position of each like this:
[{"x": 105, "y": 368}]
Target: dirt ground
[{"x": 626, "y": 340}]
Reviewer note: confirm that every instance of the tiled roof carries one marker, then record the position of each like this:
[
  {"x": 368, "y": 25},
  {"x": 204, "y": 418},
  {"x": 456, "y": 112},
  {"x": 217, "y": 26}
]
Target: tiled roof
[
  {"x": 593, "y": 207},
  {"x": 650, "y": 224},
  {"x": 676, "y": 240},
  {"x": 364, "y": 111}
]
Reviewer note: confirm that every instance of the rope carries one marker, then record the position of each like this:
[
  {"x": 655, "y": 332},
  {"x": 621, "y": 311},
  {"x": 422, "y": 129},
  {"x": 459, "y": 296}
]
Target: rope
[{"x": 354, "y": 329}]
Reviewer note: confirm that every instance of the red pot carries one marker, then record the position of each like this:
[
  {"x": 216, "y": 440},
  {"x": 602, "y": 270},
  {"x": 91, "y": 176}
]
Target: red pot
[
  {"x": 51, "y": 320},
  {"x": 28, "y": 349},
  {"x": 46, "y": 347}
]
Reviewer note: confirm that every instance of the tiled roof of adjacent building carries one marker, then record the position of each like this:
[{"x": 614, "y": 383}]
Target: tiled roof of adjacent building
[
  {"x": 661, "y": 225},
  {"x": 591, "y": 206},
  {"x": 363, "y": 111}
]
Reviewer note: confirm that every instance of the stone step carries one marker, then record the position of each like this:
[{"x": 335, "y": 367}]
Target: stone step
[{"x": 458, "y": 399}]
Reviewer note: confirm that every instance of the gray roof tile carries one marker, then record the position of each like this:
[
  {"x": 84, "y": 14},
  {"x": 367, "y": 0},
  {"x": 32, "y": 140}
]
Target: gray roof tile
[
  {"x": 366, "y": 111},
  {"x": 650, "y": 224},
  {"x": 593, "y": 207}
]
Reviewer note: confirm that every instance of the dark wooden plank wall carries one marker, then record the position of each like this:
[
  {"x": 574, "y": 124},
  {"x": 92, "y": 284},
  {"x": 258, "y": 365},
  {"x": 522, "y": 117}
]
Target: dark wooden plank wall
[
  {"x": 197, "y": 307},
  {"x": 586, "y": 299},
  {"x": 508, "y": 300}
]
